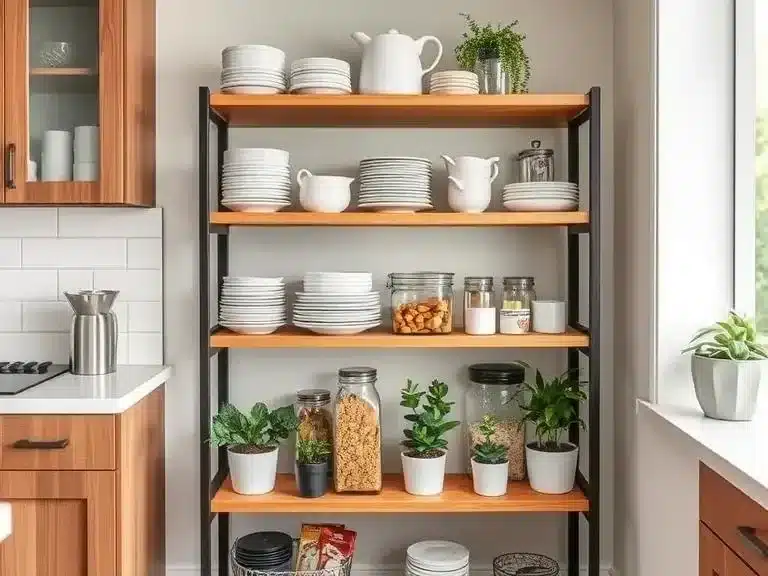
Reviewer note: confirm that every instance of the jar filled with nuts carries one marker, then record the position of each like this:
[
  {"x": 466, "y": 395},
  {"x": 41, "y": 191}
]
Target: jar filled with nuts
[
  {"x": 357, "y": 432},
  {"x": 422, "y": 302}
]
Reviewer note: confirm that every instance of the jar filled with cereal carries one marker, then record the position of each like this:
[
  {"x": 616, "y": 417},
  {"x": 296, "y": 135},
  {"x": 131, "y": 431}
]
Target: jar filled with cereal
[
  {"x": 422, "y": 302},
  {"x": 357, "y": 432}
]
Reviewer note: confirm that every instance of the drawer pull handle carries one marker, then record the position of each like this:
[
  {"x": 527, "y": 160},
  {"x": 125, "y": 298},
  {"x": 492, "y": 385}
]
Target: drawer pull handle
[
  {"x": 755, "y": 538},
  {"x": 27, "y": 444},
  {"x": 10, "y": 166}
]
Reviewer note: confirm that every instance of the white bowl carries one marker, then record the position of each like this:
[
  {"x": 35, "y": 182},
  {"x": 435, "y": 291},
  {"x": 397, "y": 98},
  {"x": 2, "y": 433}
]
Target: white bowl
[
  {"x": 253, "y": 55},
  {"x": 274, "y": 156}
]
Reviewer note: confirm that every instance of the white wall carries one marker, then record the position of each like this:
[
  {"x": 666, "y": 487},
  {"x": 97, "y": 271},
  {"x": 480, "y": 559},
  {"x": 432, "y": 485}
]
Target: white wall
[{"x": 571, "y": 48}]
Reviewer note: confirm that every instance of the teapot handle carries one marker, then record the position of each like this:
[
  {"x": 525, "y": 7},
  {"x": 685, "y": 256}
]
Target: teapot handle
[
  {"x": 494, "y": 167},
  {"x": 457, "y": 183},
  {"x": 421, "y": 42},
  {"x": 447, "y": 159}
]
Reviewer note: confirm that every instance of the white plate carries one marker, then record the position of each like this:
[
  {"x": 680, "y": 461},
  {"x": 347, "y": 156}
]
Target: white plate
[
  {"x": 438, "y": 555},
  {"x": 409, "y": 159},
  {"x": 255, "y": 280},
  {"x": 256, "y": 208},
  {"x": 252, "y": 90},
  {"x": 319, "y": 298},
  {"x": 253, "y": 330},
  {"x": 455, "y": 92},
  {"x": 327, "y": 91},
  {"x": 541, "y": 185},
  {"x": 541, "y": 205},
  {"x": 343, "y": 315},
  {"x": 337, "y": 330},
  {"x": 339, "y": 275}
]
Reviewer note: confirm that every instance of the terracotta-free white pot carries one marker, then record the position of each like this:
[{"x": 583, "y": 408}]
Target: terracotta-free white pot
[
  {"x": 552, "y": 472},
  {"x": 423, "y": 476},
  {"x": 490, "y": 479},
  {"x": 252, "y": 473},
  {"x": 727, "y": 389}
]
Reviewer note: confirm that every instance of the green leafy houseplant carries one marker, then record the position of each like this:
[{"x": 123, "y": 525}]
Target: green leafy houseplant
[
  {"x": 502, "y": 42},
  {"x": 257, "y": 432},
  {"x": 489, "y": 452},
  {"x": 426, "y": 439},
  {"x": 312, "y": 451},
  {"x": 732, "y": 339}
]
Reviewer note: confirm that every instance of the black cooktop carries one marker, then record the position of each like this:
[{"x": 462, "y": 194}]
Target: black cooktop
[{"x": 17, "y": 376}]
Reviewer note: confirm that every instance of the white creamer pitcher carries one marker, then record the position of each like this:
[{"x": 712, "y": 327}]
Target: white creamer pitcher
[{"x": 469, "y": 182}]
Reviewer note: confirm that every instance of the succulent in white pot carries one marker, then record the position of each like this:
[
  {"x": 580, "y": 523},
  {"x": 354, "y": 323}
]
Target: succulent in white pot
[
  {"x": 490, "y": 463},
  {"x": 252, "y": 442},
  {"x": 727, "y": 366}
]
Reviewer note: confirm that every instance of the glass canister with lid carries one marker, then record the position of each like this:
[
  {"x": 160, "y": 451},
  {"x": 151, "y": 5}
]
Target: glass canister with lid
[
  {"x": 479, "y": 305},
  {"x": 357, "y": 432},
  {"x": 313, "y": 408},
  {"x": 422, "y": 302},
  {"x": 493, "y": 389},
  {"x": 536, "y": 164},
  {"x": 515, "y": 313}
]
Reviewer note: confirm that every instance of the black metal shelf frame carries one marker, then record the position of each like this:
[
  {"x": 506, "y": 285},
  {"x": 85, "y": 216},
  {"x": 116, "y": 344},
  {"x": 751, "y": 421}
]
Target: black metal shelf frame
[{"x": 209, "y": 484}]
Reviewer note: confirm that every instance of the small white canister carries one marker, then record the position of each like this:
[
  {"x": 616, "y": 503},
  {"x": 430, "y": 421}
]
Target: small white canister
[{"x": 549, "y": 316}]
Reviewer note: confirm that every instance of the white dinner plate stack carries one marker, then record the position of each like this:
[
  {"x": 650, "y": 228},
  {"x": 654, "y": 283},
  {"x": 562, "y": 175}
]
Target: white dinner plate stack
[
  {"x": 541, "y": 197},
  {"x": 395, "y": 184},
  {"x": 454, "y": 82},
  {"x": 251, "y": 305},
  {"x": 437, "y": 558},
  {"x": 252, "y": 69},
  {"x": 320, "y": 76},
  {"x": 256, "y": 180},
  {"x": 337, "y": 303}
]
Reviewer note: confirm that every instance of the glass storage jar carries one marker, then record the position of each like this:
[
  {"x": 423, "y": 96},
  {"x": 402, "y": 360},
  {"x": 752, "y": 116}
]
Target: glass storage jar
[
  {"x": 357, "y": 432},
  {"x": 493, "y": 389},
  {"x": 422, "y": 302},
  {"x": 515, "y": 313},
  {"x": 479, "y": 306},
  {"x": 313, "y": 408}
]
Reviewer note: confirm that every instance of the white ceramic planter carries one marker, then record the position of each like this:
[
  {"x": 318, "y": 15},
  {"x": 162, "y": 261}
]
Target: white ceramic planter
[
  {"x": 253, "y": 473},
  {"x": 423, "y": 476},
  {"x": 727, "y": 389},
  {"x": 490, "y": 479},
  {"x": 552, "y": 472}
]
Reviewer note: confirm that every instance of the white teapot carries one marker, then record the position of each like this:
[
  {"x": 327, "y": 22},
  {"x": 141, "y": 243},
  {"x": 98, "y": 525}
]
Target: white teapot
[
  {"x": 392, "y": 62},
  {"x": 469, "y": 182}
]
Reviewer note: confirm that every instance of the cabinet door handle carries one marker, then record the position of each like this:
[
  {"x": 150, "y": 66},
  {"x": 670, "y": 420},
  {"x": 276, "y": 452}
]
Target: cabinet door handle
[
  {"x": 10, "y": 166},
  {"x": 755, "y": 538},
  {"x": 27, "y": 444}
]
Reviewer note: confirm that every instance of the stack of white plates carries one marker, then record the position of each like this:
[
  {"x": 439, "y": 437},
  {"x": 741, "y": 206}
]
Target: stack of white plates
[
  {"x": 541, "y": 197},
  {"x": 454, "y": 82},
  {"x": 256, "y": 180},
  {"x": 337, "y": 303},
  {"x": 395, "y": 184},
  {"x": 320, "y": 76},
  {"x": 437, "y": 558},
  {"x": 252, "y": 305},
  {"x": 252, "y": 69}
]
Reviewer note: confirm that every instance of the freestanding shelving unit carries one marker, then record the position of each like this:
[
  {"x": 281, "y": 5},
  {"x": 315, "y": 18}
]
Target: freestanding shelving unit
[{"x": 552, "y": 110}]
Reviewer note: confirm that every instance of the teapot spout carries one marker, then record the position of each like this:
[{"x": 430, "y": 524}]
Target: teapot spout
[{"x": 361, "y": 38}]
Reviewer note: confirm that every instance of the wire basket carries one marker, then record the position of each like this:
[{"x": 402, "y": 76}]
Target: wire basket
[
  {"x": 524, "y": 564},
  {"x": 344, "y": 569}
]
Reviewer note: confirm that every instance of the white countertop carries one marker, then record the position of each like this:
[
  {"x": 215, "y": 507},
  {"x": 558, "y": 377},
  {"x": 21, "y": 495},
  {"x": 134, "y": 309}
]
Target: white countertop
[
  {"x": 71, "y": 394},
  {"x": 5, "y": 520}
]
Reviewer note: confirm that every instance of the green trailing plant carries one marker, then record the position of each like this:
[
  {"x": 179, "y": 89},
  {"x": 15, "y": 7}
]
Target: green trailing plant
[
  {"x": 312, "y": 451},
  {"x": 735, "y": 338},
  {"x": 553, "y": 408},
  {"x": 487, "y": 451},
  {"x": 502, "y": 42},
  {"x": 259, "y": 431},
  {"x": 426, "y": 437}
]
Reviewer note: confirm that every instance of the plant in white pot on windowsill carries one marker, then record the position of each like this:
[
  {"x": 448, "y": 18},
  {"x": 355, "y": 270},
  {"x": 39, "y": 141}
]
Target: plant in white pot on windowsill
[
  {"x": 490, "y": 463},
  {"x": 727, "y": 365},
  {"x": 252, "y": 444},
  {"x": 553, "y": 409},
  {"x": 425, "y": 443}
]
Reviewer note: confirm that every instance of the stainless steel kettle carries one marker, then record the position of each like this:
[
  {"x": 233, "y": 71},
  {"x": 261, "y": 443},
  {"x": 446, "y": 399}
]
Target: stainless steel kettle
[{"x": 93, "y": 340}]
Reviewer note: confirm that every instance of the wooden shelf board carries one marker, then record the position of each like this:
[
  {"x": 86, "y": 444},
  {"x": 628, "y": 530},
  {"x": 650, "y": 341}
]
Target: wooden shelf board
[
  {"x": 457, "y": 497},
  {"x": 425, "y": 110},
  {"x": 447, "y": 219},
  {"x": 290, "y": 337},
  {"x": 62, "y": 72}
]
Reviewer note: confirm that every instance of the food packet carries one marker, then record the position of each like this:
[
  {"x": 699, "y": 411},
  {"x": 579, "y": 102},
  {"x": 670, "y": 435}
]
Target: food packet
[
  {"x": 308, "y": 557},
  {"x": 336, "y": 545}
]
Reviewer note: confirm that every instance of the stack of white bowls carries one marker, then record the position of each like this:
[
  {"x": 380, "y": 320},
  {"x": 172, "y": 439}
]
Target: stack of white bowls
[
  {"x": 395, "y": 184},
  {"x": 252, "y": 69},
  {"x": 454, "y": 82},
  {"x": 57, "y": 156},
  {"x": 437, "y": 558},
  {"x": 320, "y": 76},
  {"x": 337, "y": 303},
  {"x": 541, "y": 197},
  {"x": 86, "y": 167},
  {"x": 251, "y": 305},
  {"x": 256, "y": 180}
]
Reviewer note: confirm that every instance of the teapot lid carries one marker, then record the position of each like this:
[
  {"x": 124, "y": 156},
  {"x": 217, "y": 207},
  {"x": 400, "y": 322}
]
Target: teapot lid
[{"x": 392, "y": 31}]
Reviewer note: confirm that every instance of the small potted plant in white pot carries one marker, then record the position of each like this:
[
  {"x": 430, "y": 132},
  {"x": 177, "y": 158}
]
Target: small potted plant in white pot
[
  {"x": 552, "y": 408},
  {"x": 312, "y": 461},
  {"x": 490, "y": 464},
  {"x": 252, "y": 442},
  {"x": 727, "y": 365},
  {"x": 425, "y": 443}
]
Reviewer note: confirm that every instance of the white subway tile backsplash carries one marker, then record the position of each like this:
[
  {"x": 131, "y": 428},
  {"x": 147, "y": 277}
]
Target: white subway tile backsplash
[
  {"x": 74, "y": 253},
  {"x": 53, "y": 346},
  {"x": 145, "y": 317},
  {"x": 122, "y": 349},
  {"x": 10, "y": 253},
  {"x": 28, "y": 284},
  {"x": 145, "y": 348},
  {"x": 46, "y": 316},
  {"x": 28, "y": 222},
  {"x": 146, "y": 253},
  {"x": 74, "y": 281},
  {"x": 110, "y": 223},
  {"x": 134, "y": 285},
  {"x": 10, "y": 317},
  {"x": 121, "y": 311}
]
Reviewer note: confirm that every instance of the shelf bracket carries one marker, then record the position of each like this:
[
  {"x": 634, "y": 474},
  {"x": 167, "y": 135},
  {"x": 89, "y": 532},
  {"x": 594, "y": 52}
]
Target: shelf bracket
[
  {"x": 218, "y": 229},
  {"x": 580, "y": 327},
  {"x": 213, "y": 352},
  {"x": 584, "y": 351},
  {"x": 578, "y": 229}
]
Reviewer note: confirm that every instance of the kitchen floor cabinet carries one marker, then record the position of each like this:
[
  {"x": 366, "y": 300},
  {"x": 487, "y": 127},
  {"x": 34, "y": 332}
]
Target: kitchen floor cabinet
[{"x": 104, "y": 78}]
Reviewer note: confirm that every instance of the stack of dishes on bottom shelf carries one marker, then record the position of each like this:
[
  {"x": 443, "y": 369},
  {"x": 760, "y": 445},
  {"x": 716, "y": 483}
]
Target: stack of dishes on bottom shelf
[
  {"x": 395, "y": 184},
  {"x": 264, "y": 551},
  {"x": 256, "y": 180},
  {"x": 337, "y": 303},
  {"x": 541, "y": 197},
  {"x": 320, "y": 76},
  {"x": 252, "y": 305},
  {"x": 252, "y": 69},
  {"x": 454, "y": 82},
  {"x": 437, "y": 558}
]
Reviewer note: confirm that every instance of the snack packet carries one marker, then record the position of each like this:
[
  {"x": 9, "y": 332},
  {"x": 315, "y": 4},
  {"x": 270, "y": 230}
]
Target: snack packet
[
  {"x": 308, "y": 557},
  {"x": 336, "y": 545}
]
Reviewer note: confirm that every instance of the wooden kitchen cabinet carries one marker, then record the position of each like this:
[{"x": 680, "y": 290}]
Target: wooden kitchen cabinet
[
  {"x": 108, "y": 81},
  {"x": 711, "y": 553}
]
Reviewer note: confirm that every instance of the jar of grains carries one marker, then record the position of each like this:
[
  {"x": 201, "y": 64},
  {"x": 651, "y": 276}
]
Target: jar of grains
[
  {"x": 493, "y": 389},
  {"x": 422, "y": 302},
  {"x": 357, "y": 432},
  {"x": 479, "y": 306},
  {"x": 515, "y": 313}
]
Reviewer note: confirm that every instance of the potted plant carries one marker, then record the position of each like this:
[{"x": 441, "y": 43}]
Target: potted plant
[
  {"x": 424, "y": 457},
  {"x": 497, "y": 55},
  {"x": 252, "y": 442},
  {"x": 312, "y": 458},
  {"x": 490, "y": 464},
  {"x": 727, "y": 365},
  {"x": 552, "y": 408}
]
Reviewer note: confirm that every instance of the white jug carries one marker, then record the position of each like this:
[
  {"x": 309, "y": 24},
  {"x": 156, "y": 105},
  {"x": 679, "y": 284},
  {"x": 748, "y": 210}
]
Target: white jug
[
  {"x": 469, "y": 182},
  {"x": 323, "y": 193}
]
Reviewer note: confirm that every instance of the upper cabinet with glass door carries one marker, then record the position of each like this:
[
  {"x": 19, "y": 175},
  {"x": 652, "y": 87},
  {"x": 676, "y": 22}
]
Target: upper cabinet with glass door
[{"x": 78, "y": 86}]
